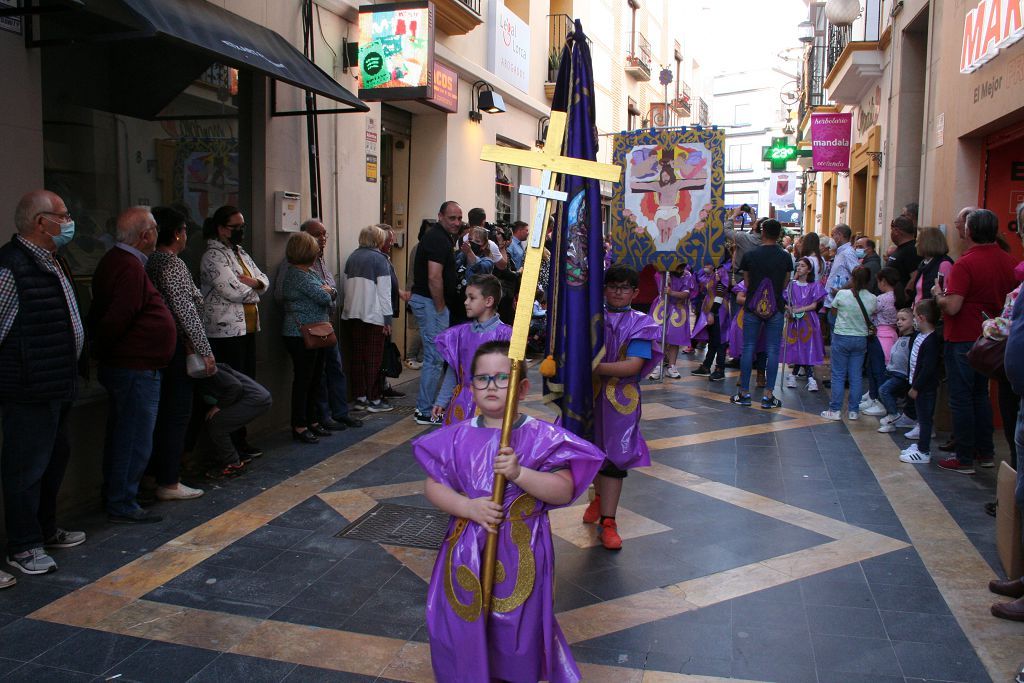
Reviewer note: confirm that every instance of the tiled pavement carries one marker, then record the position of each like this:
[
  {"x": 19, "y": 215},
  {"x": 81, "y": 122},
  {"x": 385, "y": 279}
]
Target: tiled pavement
[{"x": 761, "y": 546}]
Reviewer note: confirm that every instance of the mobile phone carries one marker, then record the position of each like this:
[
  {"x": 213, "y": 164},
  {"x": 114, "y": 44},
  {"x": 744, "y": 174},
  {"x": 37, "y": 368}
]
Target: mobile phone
[{"x": 941, "y": 279}]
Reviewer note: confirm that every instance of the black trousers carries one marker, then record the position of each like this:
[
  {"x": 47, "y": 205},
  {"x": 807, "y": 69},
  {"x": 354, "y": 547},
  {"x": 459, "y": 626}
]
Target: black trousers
[
  {"x": 240, "y": 354},
  {"x": 308, "y": 368},
  {"x": 715, "y": 357},
  {"x": 172, "y": 420}
]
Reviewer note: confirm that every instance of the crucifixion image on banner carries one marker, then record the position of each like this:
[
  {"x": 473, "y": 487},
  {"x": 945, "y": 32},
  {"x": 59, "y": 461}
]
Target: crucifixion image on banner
[{"x": 662, "y": 211}]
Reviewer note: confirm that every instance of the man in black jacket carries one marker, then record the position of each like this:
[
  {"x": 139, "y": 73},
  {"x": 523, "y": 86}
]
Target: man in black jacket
[{"x": 41, "y": 340}]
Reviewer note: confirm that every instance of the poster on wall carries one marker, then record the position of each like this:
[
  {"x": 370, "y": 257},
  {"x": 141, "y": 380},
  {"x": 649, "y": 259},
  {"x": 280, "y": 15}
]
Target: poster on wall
[
  {"x": 782, "y": 189},
  {"x": 396, "y": 51},
  {"x": 830, "y": 142},
  {"x": 510, "y": 47},
  {"x": 665, "y": 210}
]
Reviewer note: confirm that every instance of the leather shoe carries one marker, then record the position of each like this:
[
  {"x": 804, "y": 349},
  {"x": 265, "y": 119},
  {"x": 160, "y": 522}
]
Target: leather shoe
[
  {"x": 1014, "y": 611},
  {"x": 333, "y": 426},
  {"x": 350, "y": 421},
  {"x": 318, "y": 430},
  {"x": 1011, "y": 589},
  {"x": 949, "y": 446},
  {"x": 393, "y": 393},
  {"x": 306, "y": 436}
]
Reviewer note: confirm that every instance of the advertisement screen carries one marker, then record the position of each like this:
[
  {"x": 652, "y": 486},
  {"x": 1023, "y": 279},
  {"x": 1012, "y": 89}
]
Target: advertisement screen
[{"x": 396, "y": 51}]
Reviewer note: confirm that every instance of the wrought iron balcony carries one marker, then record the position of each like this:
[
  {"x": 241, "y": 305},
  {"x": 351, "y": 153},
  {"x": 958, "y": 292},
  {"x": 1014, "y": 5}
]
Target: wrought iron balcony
[
  {"x": 682, "y": 103},
  {"x": 838, "y": 37},
  {"x": 638, "y": 60},
  {"x": 703, "y": 114},
  {"x": 457, "y": 17}
]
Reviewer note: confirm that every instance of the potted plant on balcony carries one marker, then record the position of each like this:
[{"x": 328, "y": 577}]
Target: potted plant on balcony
[{"x": 554, "y": 61}]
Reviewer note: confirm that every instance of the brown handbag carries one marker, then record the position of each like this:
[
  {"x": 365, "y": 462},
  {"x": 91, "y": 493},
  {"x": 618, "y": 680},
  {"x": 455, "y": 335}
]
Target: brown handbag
[
  {"x": 318, "y": 335},
  {"x": 987, "y": 357}
]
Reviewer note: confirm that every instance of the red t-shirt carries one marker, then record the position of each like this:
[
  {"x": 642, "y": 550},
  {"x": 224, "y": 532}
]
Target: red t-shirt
[{"x": 983, "y": 277}]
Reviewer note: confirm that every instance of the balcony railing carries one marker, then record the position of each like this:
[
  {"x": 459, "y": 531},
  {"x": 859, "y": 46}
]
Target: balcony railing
[
  {"x": 703, "y": 115},
  {"x": 682, "y": 101},
  {"x": 814, "y": 79},
  {"x": 838, "y": 38},
  {"x": 638, "y": 59},
  {"x": 559, "y": 26}
]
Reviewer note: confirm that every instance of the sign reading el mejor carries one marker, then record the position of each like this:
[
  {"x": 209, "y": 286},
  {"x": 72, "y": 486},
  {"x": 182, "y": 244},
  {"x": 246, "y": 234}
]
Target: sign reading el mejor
[
  {"x": 992, "y": 26},
  {"x": 830, "y": 141}
]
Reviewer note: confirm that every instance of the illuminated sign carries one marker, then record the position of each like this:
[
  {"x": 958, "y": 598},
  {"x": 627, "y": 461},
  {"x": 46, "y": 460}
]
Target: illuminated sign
[
  {"x": 396, "y": 51},
  {"x": 779, "y": 153},
  {"x": 446, "y": 89},
  {"x": 830, "y": 142},
  {"x": 992, "y": 26}
]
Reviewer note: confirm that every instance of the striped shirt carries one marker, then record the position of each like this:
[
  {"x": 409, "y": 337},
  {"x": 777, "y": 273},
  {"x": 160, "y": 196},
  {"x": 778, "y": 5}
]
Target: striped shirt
[{"x": 9, "y": 294}]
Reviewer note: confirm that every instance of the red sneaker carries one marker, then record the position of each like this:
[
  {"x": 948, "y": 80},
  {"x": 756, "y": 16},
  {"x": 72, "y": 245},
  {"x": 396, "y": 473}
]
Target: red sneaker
[
  {"x": 593, "y": 511},
  {"x": 954, "y": 465},
  {"x": 610, "y": 538}
]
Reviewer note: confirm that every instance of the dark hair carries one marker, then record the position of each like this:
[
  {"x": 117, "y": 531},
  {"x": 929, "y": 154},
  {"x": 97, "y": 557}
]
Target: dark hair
[
  {"x": 621, "y": 273},
  {"x": 929, "y": 310},
  {"x": 771, "y": 228},
  {"x": 904, "y": 225},
  {"x": 859, "y": 279},
  {"x": 810, "y": 269},
  {"x": 982, "y": 226},
  {"x": 445, "y": 205},
  {"x": 910, "y": 211},
  {"x": 168, "y": 223},
  {"x": 499, "y": 347},
  {"x": 488, "y": 285},
  {"x": 811, "y": 244},
  {"x": 868, "y": 242},
  {"x": 519, "y": 224},
  {"x": 892, "y": 276},
  {"x": 220, "y": 217},
  {"x": 844, "y": 230},
  {"x": 476, "y": 216}
]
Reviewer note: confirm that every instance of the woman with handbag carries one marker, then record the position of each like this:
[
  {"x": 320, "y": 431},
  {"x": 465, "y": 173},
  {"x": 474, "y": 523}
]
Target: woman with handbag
[
  {"x": 368, "y": 308},
  {"x": 307, "y": 333},
  {"x": 853, "y": 305}
]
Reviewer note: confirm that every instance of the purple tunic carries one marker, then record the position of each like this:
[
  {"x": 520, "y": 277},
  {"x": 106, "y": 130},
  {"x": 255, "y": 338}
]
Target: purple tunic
[
  {"x": 700, "y": 331},
  {"x": 735, "y": 336},
  {"x": 520, "y": 640},
  {"x": 617, "y": 408},
  {"x": 678, "y": 331},
  {"x": 457, "y": 346},
  {"x": 802, "y": 344}
]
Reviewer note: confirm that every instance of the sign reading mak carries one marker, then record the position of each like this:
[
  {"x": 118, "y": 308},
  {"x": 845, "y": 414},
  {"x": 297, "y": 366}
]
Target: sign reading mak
[{"x": 992, "y": 26}]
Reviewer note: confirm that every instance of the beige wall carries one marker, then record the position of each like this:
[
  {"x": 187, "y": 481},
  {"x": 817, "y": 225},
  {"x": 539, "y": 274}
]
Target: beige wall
[{"x": 21, "y": 127}]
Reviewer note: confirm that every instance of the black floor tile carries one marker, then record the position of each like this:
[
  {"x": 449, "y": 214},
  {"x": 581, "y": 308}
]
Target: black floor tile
[
  {"x": 399, "y": 606},
  {"x": 947, "y": 662},
  {"x": 173, "y": 662},
  {"x": 9, "y": 665},
  {"x": 845, "y": 621},
  {"x": 247, "y": 557},
  {"x": 923, "y": 628},
  {"x": 298, "y": 564},
  {"x": 869, "y": 656},
  {"x": 31, "y": 593},
  {"x": 230, "y": 668},
  {"x": 626, "y": 659},
  {"x": 277, "y": 537},
  {"x": 309, "y": 674},
  {"x": 909, "y": 599},
  {"x": 212, "y": 603},
  {"x": 34, "y": 673},
  {"x": 91, "y": 651},
  {"x": 26, "y": 639}
]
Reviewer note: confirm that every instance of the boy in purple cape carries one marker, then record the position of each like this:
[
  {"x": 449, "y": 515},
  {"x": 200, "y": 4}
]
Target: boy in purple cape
[
  {"x": 546, "y": 467},
  {"x": 458, "y": 344},
  {"x": 632, "y": 350}
]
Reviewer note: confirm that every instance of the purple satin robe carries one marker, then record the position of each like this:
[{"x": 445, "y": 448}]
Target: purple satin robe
[
  {"x": 457, "y": 346},
  {"x": 617, "y": 408},
  {"x": 678, "y": 330},
  {"x": 700, "y": 332},
  {"x": 801, "y": 343},
  {"x": 735, "y": 336},
  {"x": 520, "y": 640}
]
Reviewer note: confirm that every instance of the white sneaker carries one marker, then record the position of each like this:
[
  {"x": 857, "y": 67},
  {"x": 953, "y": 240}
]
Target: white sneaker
[
  {"x": 656, "y": 375},
  {"x": 180, "y": 492},
  {"x": 791, "y": 382},
  {"x": 864, "y": 405},
  {"x": 811, "y": 384},
  {"x": 413, "y": 364},
  {"x": 904, "y": 422},
  {"x": 852, "y": 415},
  {"x": 890, "y": 419},
  {"x": 914, "y": 456},
  {"x": 885, "y": 428},
  {"x": 914, "y": 434},
  {"x": 832, "y": 415},
  {"x": 866, "y": 397},
  {"x": 672, "y": 373},
  {"x": 876, "y": 409}
]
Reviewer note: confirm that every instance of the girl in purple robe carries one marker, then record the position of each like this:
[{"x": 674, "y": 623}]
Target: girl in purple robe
[
  {"x": 676, "y": 300},
  {"x": 632, "y": 350},
  {"x": 802, "y": 344},
  {"x": 546, "y": 467},
  {"x": 458, "y": 344}
]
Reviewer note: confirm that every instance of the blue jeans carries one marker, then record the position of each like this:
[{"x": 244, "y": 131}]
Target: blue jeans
[
  {"x": 131, "y": 417},
  {"x": 772, "y": 338},
  {"x": 847, "y": 364},
  {"x": 35, "y": 455},
  {"x": 1019, "y": 438},
  {"x": 969, "y": 404},
  {"x": 925, "y": 405},
  {"x": 333, "y": 398},
  {"x": 892, "y": 389},
  {"x": 431, "y": 324},
  {"x": 876, "y": 366}
]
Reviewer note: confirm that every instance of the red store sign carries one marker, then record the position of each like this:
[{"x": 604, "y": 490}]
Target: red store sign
[
  {"x": 446, "y": 89},
  {"x": 992, "y": 26}
]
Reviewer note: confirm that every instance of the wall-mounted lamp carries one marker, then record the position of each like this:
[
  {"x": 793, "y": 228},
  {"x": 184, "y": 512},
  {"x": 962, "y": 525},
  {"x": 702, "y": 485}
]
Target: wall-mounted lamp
[
  {"x": 542, "y": 130},
  {"x": 484, "y": 98}
]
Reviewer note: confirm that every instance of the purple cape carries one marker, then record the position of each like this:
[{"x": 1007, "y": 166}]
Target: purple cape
[
  {"x": 801, "y": 343},
  {"x": 678, "y": 330},
  {"x": 617, "y": 409},
  {"x": 700, "y": 331},
  {"x": 457, "y": 346},
  {"x": 520, "y": 640},
  {"x": 735, "y": 336}
]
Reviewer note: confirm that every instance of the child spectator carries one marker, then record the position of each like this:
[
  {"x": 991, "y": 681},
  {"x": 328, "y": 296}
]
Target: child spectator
[
  {"x": 896, "y": 384},
  {"x": 853, "y": 305},
  {"x": 802, "y": 343},
  {"x": 631, "y": 350},
  {"x": 677, "y": 302},
  {"x": 887, "y": 303},
  {"x": 925, "y": 358},
  {"x": 458, "y": 344},
  {"x": 546, "y": 467}
]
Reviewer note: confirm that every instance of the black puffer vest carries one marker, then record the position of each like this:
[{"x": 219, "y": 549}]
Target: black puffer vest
[{"x": 38, "y": 361}]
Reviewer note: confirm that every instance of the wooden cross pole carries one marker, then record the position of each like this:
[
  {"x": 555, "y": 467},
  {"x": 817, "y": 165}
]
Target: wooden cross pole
[{"x": 549, "y": 162}]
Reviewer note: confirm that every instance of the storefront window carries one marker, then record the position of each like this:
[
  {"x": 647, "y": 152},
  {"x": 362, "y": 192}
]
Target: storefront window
[{"x": 506, "y": 189}]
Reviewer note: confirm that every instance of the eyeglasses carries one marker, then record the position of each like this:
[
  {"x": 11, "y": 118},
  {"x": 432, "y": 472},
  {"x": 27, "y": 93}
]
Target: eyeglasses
[
  {"x": 66, "y": 215},
  {"x": 500, "y": 380},
  {"x": 620, "y": 288}
]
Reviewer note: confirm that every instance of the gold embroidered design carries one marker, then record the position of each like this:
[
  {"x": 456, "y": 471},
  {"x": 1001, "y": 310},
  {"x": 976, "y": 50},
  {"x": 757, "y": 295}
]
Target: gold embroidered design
[
  {"x": 630, "y": 391},
  {"x": 526, "y": 573},
  {"x": 467, "y": 580}
]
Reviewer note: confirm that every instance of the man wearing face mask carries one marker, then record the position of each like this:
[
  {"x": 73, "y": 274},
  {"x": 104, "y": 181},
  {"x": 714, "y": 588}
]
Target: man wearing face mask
[
  {"x": 864, "y": 249},
  {"x": 41, "y": 338}
]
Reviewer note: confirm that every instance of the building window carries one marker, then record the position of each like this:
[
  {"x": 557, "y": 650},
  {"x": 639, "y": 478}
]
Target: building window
[
  {"x": 739, "y": 158},
  {"x": 632, "y": 112},
  {"x": 506, "y": 188},
  {"x": 742, "y": 115}
]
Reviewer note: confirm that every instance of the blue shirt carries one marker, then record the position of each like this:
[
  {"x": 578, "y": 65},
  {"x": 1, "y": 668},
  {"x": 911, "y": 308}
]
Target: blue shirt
[
  {"x": 1014, "y": 358},
  {"x": 516, "y": 253}
]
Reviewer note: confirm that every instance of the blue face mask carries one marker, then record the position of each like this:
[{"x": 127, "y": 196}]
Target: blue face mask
[
  {"x": 67, "y": 233},
  {"x": 860, "y": 253}
]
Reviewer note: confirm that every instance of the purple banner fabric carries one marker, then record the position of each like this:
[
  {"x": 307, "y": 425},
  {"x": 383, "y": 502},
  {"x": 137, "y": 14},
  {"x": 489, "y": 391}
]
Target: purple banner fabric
[{"x": 830, "y": 141}]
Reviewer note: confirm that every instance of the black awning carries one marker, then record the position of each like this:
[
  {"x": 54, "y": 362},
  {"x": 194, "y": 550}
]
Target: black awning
[{"x": 134, "y": 56}]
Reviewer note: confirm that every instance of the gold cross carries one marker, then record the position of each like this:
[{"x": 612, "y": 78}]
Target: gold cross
[{"x": 550, "y": 162}]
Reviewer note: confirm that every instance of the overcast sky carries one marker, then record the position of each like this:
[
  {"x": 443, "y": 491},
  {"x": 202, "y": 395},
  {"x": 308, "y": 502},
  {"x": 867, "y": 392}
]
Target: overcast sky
[{"x": 745, "y": 34}]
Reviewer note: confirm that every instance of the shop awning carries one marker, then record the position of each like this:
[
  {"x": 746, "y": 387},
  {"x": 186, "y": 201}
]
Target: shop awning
[{"x": 135, "y": 56}]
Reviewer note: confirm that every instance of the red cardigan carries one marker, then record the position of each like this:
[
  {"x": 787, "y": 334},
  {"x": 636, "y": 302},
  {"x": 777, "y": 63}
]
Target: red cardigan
[{"x": 130, "y": 325}]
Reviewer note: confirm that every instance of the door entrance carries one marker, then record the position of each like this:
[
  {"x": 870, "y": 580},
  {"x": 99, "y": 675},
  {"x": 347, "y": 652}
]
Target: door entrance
[
  {"x": 1003, "y": 181},
  {"x": 395, "y": 143}
]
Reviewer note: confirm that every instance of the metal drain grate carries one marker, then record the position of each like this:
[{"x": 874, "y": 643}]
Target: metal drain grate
[{"x": 400, "y": 525}]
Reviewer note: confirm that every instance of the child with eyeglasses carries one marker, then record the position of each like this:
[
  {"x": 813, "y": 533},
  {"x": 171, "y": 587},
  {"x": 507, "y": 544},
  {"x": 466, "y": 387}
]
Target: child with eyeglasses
[
  {"x": 545, "y": 467},
  {"x": 458, "y": 344},
  {"x": 632, "y": 350}
]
